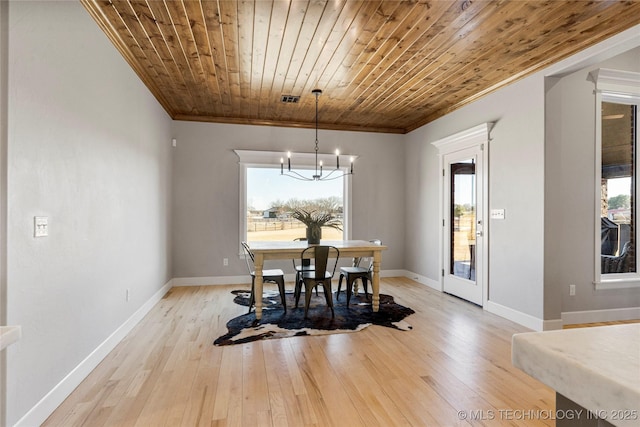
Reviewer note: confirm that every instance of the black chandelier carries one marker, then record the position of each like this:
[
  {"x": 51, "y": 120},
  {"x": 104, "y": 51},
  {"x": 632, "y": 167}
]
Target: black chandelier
[{"x": 318, "y": 176}]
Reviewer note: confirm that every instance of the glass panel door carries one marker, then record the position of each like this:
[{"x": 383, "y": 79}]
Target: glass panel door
[
  {"x": 463, "y": 224},
  {"x": 463, "y": 219}
]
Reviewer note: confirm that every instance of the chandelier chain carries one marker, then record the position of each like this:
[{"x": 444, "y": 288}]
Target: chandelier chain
[{"x": 318, "y": 176}]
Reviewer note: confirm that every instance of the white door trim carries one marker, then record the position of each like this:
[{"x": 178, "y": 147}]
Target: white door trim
[{"x": 475, "y": 136}]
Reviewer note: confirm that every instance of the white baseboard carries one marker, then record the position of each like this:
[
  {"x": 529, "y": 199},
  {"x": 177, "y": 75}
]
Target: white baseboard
[
  {"x": 434, "y": 284},
  {"x": 516, "y": 316},
  {"x": 392, "y": 273},
  {"x": 519, "y": 317},
  {"x": 593, "y": 316},
  {"x": 552, "y": 325},
  {"x": 221, "y": 280},
  {"x": 45, "y": 407},
  {"x": 212, "y": 280},
  {"x": 245, "y": 280}
]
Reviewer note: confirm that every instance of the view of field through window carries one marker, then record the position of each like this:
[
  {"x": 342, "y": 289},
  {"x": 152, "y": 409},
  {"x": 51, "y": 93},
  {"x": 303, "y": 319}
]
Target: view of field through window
[
  {"x": 618, "y": 195},
  {"x": 463, "y": 219},
  {"x": 272, "y": 198}
]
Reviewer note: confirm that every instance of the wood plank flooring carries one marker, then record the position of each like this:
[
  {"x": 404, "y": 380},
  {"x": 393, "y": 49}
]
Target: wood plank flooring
[
  {"x": 589, "y": 325},
  {"x": 454, "y": 368}
]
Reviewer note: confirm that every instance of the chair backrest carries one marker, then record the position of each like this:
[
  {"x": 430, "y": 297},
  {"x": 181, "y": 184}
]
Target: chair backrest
[
  {"x": 305, "y": 262},
  {"x": 248, "y": 255},
  {"x": 356, "y": 261},
  {"x": 321, "y": 256}
]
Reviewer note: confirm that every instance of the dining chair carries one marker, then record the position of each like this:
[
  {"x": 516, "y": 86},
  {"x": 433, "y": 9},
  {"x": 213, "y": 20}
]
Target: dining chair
[
  {"x": 321, "y": 275},
  {"x": 356, "y": 272},
  {"x": 305, "y": 264},
  {"x": 273, "y": 276}
]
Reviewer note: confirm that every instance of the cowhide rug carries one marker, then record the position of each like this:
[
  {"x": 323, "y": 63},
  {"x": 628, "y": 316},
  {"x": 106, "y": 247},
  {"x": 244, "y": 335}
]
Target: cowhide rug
[{"x": 276, "y": 324}]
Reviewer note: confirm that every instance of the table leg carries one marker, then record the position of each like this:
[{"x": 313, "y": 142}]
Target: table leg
[
  {"x": 375, "y": 282},
  {"x": 576, "y": 415},
  {"x": 258, "y": 264}
]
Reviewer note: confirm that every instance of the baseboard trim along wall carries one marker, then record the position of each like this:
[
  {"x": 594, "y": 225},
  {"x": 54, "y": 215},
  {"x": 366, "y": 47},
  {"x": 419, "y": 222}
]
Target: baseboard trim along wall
[
  {"x": 523, "y": 319},
  {"x": 516, "y": 316},
  {"x": 552, "y": 325},
  {"x": 45, "y": 407},
  {"x": 244, "y": 279},
  {"x": 215, "y": 280},
  {"x": 433, "y": 284},
  {"x": 594, "y": 316},
  {"x": 519, "y": 317}
]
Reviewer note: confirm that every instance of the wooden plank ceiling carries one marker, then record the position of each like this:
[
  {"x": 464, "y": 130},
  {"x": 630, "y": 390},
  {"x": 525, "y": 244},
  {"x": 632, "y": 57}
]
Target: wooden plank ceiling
[{"x": 383, "y": 66}]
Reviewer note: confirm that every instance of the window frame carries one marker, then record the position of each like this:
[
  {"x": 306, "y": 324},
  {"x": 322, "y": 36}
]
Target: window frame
[
  {"x": 620, "y": 87},
  {"x": 271, "y": 159}
]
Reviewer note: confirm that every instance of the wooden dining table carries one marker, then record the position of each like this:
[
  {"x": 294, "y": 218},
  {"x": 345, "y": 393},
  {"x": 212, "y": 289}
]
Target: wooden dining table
[{"x": 274, "y": 250}]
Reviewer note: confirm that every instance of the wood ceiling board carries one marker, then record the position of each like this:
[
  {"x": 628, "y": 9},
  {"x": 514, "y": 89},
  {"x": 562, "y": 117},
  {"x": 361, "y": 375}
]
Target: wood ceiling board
[
  {"x": 417, "y": 68},
  {"x": 380, "y": 70},
  {"x": 121, "y": 37},
  {"x": 549, "y": 52},
  {"x": 382, "y": 65}
]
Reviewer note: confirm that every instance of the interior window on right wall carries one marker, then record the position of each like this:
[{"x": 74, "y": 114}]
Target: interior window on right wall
[{"x": 618, "y": 188}]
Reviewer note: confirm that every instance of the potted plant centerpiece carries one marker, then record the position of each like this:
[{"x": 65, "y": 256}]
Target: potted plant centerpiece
[{"x": 315, "y": 220}]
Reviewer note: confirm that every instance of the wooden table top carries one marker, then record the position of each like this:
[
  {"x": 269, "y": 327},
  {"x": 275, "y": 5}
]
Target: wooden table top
[{"x": 276, "y": 246}]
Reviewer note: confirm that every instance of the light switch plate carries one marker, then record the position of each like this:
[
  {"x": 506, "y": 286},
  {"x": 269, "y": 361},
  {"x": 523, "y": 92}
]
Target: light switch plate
[
  {"x": 497, "y": 213},
  {"x": 40, "y": 226}
]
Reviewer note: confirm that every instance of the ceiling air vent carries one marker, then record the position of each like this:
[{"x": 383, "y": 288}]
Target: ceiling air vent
[{"x": 290, "y": 99}]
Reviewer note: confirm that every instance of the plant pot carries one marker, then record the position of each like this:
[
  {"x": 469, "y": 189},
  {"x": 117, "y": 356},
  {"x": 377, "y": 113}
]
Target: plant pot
[{"x": 314, "y": 234}]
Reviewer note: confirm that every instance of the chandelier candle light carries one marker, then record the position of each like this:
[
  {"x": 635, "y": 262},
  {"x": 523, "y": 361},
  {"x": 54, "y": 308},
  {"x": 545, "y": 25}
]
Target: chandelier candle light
[{"x": 334, "y": 174}]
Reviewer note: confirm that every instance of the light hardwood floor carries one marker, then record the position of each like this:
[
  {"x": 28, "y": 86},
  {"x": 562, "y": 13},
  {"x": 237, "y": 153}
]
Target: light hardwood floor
[
  {"x": 166, "y": 372},
  {"x": 589, "y": 325}
]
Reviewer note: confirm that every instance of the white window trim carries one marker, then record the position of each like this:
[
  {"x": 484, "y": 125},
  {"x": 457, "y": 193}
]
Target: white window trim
[
  {"x": 270, "y": 159},
  {"x": 622, "y": 87}
]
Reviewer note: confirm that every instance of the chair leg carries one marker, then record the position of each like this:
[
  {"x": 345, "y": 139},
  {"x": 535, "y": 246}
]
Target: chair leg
[
  {"x": 339, "y": 286},
  {"x": 326, "y": 286},
  {"x": 308, "y": 290},
  {"x": 252, "y": 298},
  {"x": 350, "y": 281},
  {"x": 297, "y": 290},
  {"x": 282, "y": 293},
  {"x": 365, "y": 281}
]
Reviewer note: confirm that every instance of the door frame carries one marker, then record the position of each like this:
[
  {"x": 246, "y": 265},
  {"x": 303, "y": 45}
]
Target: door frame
[
  {"x": 477, "y": 136},
  {"x": 463, "y": 287}
]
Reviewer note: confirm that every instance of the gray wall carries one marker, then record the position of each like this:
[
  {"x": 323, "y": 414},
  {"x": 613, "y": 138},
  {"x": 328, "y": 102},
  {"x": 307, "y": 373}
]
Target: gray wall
[
  {"x": 89, "y": 147},
  {"x": 206, "y": 185},
  {"x": 541, "y": 173},
  {"x": 516, "y": 177},
  {"x": 570, "y": 192},
  {"x": 4, "y": 75}
]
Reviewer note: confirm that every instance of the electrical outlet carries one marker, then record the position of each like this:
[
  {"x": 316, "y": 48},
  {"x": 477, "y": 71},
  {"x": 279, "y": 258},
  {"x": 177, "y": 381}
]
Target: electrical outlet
[
  {"x": 225, "y": 262},
  {"x": 572, "y": 290}
]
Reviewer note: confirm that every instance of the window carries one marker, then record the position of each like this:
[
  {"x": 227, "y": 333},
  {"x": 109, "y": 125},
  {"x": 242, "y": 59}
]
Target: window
[
  {"x": 268, "y": 200},
  {"x": 617, "y": 233},
  {"x": 618, "y": 183}
]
